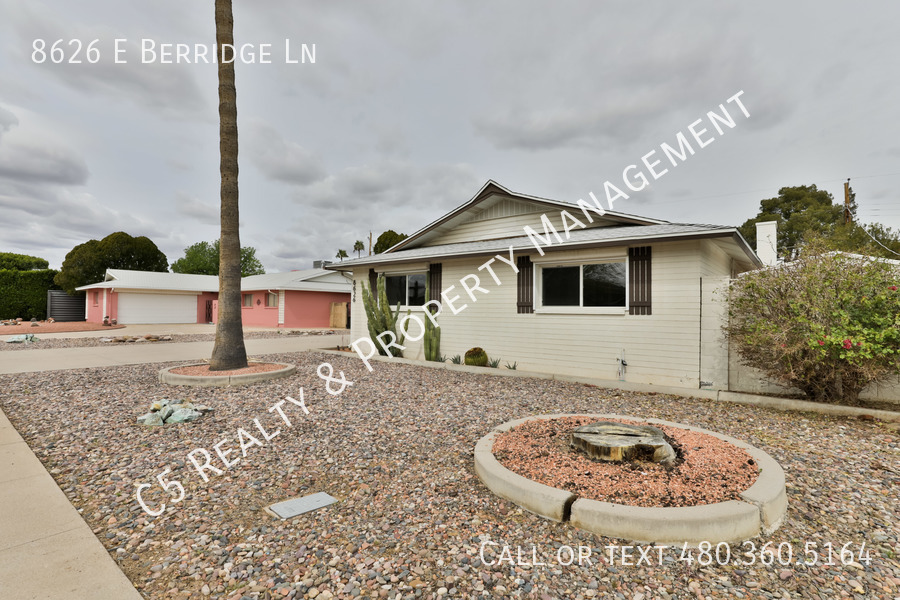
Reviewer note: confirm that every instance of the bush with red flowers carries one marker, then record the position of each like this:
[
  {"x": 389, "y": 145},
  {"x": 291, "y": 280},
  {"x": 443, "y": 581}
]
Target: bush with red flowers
[{"x": 827, "y": 324}]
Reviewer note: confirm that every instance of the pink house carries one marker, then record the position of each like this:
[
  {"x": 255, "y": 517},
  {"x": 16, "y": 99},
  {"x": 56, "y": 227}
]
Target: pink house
[
  {"x": 306, "y": 299},
  {"x": 293, "y": 299}
]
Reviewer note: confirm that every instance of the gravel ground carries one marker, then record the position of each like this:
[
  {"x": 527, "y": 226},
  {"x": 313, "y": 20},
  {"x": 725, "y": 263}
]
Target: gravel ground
[
  {"x": 87, "y": 342},
  {"x": 396, "y": 450}
]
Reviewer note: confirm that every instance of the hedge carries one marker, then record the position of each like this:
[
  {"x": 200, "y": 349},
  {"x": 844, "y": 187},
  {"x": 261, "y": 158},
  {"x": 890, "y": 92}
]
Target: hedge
[{"x": 24, "y": 293}]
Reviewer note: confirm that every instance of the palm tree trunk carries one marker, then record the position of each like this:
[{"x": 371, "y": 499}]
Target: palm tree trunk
[{"x": 228, "y": 351}]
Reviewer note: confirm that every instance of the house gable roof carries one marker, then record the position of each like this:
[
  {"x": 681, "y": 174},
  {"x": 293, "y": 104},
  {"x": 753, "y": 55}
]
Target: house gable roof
[
  {"x": 612, "y": 229},
  {"x": 490, "y": 196},
  {"x": 735, "y": 245}
]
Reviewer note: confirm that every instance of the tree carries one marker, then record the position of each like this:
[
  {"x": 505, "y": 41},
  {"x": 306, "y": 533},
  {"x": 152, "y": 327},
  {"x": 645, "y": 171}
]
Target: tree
[
  {"x": 341, "y": 255},
  {"x": 799, "y": 211},
  {"x": 827, "y": 324},
  {"x": 228, "y": 350},
  {"x": 87, "y": 263},
  {"x": 358, "y": 247},
  {"x": 804, "y": 212},
  {"x": 871, "y": 239},
  {"x": 21, "y": 262},
  {"x": 388, "y": 239},
  {"x": 202, "y": 258}
]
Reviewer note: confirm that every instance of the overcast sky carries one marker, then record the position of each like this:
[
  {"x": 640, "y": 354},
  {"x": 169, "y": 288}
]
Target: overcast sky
[{"x": 411, "y": 106}]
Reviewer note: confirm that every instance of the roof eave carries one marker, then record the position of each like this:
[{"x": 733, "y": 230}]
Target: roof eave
[{"x": 631, "y": 240}]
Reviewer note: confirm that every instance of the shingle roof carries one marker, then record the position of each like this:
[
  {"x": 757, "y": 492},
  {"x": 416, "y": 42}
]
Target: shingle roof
[{"x": 579, "y": 238}]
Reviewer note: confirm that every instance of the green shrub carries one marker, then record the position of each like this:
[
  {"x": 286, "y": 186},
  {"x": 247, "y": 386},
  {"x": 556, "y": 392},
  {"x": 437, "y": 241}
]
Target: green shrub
[
  {"x": 24, "y": 293},
  {"x": 456, "y": 360},
  {"x": 494, "y": 363},
  {"x": 476, "y": 357},
  {"x": 827, "y": 324},
  {"x": 512, "y": 367}
]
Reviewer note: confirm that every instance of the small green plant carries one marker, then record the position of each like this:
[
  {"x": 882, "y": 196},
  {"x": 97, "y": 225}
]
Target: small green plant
[
  {"x": 494, "y": 363},
  {"x": 379, "y": 317},
  {"x": 443, "y": 358},
  {"x": 456, "y": 360},
  {"x": 511, "y": 367},
  {"x": 476, "y": 357}
]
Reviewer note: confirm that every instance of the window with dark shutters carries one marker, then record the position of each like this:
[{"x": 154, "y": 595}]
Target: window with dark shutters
[
  {"x": 639, "y": 281},
  {"x": 434, "y": 282},
  {"x": 525, "y": 283}
]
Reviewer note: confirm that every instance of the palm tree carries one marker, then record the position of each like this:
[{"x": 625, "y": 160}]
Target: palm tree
[
  {"x": 229, "y": 351},
  {"x": 358, "y": 247},
  {"x": 341, "y": 254}
]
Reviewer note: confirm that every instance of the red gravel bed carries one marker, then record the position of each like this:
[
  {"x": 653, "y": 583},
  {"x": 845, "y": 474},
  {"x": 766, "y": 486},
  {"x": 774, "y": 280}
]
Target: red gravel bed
[
  {"x": 709, "y": 470},
  {"x": 56, "y": 327},
  {"x": 203, "y": 370}
]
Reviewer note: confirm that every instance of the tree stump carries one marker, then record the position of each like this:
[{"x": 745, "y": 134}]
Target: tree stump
[{"x": 618, "y": 442}]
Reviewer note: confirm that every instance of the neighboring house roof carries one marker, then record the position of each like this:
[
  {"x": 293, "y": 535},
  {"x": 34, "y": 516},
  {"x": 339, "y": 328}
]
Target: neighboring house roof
[
  {"x": 313, "y": 280},
  {"x": 489, "y": 194},
  {"x": 150, "y": 280}
]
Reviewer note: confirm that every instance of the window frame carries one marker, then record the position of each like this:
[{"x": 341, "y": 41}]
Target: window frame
[
  {"x": 244, "y": 302},
  {"x": 581, "y": 309},
  {"x": 270, "y": 295},
  {"x": 405, "y": 274}
]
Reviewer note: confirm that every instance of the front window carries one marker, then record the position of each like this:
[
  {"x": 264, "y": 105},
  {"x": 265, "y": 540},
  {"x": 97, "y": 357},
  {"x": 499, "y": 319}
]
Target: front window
[
  {"x": 272, "y": 300},
  {"x": 96, "y": 298},
  {"x": 248, "y": 300},
  {"x": 407, "y": 290},
  {"x": 587, "y": 285}
]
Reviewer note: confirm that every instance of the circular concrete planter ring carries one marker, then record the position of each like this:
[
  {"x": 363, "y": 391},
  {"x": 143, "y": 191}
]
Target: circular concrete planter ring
[
  {"x": 760, "y": 511},
  {"x": 166, "y": 376}
]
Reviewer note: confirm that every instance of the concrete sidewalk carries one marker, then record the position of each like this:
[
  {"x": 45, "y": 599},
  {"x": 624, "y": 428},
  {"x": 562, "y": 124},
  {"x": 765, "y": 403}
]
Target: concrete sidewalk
[
  {"x": 47, "y": 551},
  {"x": 58, "y": 359}
]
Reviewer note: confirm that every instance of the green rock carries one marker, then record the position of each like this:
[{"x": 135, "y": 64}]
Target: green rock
[
  {"x": 184, "y": 415},
  {"x": 151, "y": 419}
]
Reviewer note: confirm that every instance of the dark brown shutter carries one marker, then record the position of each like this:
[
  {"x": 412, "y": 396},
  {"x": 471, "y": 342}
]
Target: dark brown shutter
[
  {"x": 373, "y": 281},
  {"x": 434, "y": 281},
  {"x": 639, "y": 280},
  {"x": 525, "y": 282}
]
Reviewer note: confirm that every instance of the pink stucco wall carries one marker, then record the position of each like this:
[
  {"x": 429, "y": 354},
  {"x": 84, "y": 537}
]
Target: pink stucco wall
[
  {"x": 95, "y": 313},
  {"x": 302, "y": 309},
  {"x": 258, "y": 315},
  {"x": 310, "y": 309},
  {"x": 201, "y": 306}
]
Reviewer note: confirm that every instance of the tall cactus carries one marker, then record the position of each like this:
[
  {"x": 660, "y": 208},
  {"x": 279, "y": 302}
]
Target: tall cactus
[
  {"x": 432, "y": 332},
  {"x": 379, "y": 317}
]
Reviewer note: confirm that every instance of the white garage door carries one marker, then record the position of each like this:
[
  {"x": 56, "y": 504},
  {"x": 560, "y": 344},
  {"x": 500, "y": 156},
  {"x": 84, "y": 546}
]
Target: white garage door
[{"x": 157, "y": 308}]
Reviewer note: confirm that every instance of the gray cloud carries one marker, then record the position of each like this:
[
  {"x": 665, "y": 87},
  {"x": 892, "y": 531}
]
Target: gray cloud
[
  {"x": 7, "y": 120},
  {"x": 42, "y": 163},
  {"x": 192, "y": 207},
  {"x": 281, "y": 160},
  {"x": 170, "y": 90}
]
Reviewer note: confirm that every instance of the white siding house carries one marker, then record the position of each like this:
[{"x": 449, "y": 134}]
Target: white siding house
[{"x": 618, "y": 287}]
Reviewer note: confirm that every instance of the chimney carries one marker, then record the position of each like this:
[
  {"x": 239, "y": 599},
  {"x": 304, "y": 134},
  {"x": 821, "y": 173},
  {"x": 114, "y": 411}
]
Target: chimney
[{"x": 767, "y": 242}]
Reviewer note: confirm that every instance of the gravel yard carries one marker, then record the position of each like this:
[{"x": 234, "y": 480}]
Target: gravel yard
[
  {"x": 395, "y": 449},
  {"x": 90, "y": 342}
]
